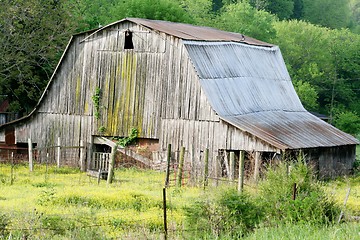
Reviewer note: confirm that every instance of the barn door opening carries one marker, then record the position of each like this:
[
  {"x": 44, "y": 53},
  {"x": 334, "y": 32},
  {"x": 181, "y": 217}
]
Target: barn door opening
[
  {"x": 101, "y": 157},
  {"x": 229, "y": 166}
]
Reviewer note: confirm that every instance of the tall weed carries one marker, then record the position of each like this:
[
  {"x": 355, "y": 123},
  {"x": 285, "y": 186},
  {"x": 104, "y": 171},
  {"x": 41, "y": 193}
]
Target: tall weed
[
  {"x": 312, "y": 204},
  {"x": 231, "y": 214}
]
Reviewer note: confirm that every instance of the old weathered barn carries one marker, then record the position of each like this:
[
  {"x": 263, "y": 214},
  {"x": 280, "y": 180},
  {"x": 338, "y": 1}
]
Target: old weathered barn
[{"x": 183, "y": 85}]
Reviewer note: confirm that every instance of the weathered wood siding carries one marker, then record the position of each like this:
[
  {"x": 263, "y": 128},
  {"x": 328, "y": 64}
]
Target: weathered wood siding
[
  {"x": 140, "y": 87},
  {"x": 332, "y": 161},
  {"x": 196, "y": 136}
]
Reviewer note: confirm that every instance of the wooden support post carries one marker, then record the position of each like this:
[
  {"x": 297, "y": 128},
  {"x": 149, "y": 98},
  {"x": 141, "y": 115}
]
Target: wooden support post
[
  {"x": 168, "y": 161},
  {"x": 257, "y": 166},
  {"x": 82, "y": 156},
  {"x": 30, "y": 155},
  {"x": 206, "y": 167},
  {"x": 111, "y": 165},
  {"x": 58, "y": 152},
  {"x": 232, "y": 167},
  {"x": 180, "y": 169},
  {"x": 216, "y": 170},
  {"x": 90, "y": 157},
  {"x": 241, "y": 171}
]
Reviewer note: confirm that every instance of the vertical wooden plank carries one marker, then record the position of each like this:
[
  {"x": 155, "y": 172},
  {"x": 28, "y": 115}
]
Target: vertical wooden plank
[{"x": 241, "y": 171}]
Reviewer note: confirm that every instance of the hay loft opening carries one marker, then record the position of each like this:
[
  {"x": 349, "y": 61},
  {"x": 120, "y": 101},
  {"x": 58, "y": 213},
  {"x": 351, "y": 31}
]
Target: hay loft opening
[{"x": 128, "y": 40}]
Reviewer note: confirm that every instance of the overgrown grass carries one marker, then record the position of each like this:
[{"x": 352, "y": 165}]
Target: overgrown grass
[{"x": 64, "y": 203}]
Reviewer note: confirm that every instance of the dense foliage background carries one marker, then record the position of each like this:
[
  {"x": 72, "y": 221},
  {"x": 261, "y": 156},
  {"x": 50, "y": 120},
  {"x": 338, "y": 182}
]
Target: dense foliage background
[{"x": 319, "y": 40}]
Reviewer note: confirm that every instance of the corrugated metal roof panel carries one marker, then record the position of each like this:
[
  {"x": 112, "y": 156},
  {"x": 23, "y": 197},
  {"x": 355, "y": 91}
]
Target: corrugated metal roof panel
[
  {"x": 241, "y": 79},
  {"x": 291, "y": 130},
  {"x": 250, "y": 88}
]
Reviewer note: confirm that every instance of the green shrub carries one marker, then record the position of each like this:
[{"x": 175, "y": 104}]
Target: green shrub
[
  {"x": 312, "y": 205},
  {"x": 230, "y": 215},
  {"x": 56, "y": 224},
  {"x": 4, "y": 222}
]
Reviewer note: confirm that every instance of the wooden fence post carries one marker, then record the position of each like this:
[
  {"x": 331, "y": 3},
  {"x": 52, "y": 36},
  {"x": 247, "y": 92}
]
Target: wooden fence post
[
  {"x": 168, "y": 160},
  {"x": 46, "y": 168},
  {"x": 58, "y": 152},
  {"x": 164, "y": 209},
  {"x": 241, "y": 171},
  {"x": 232, "y": 167},
  {"x": 30, "y": 155},
  {"x": 180, "y": 169},
  {"x": 12, "y": 169},
  {"x": 82, "y": 156},
  {"x": 206, "y": 165},
  {"x": 111, "y": 164}
]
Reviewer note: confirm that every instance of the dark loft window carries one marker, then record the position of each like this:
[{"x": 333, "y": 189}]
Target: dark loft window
[{"x": 128, "y": 40}]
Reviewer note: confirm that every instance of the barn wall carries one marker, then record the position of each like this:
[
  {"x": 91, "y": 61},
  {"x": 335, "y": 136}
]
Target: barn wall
[
  {"x": 196, "y": 136},
  {"x": 332, "y": 162},
  {"x": 138, "y": 87}
]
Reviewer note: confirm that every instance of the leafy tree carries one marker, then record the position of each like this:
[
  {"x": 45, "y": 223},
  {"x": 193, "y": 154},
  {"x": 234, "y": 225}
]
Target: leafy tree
[
  {"x": 282, "y": 8},
  {"x": 354, "y": 24},
  {"x": 161, "y": 10},
  {"x": 201, "y": 11},
  {"x": 329, "y": 60},
  {"x": 90, "y": 14},
  {"x": 307, "y": 95},
  {"x": 348, "y": 122},
  {"x": 298, "y": 9},
  {"x": 32, "y": 37},
  {"x": 245, "y": 19},
  {"x": 327, "y": 13}
]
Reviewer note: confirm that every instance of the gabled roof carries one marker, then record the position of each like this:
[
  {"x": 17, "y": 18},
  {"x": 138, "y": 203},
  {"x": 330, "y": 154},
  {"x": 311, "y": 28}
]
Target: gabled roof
[
  {"x": 190, "y": 32},
  {"x": 250, "y": 88}
]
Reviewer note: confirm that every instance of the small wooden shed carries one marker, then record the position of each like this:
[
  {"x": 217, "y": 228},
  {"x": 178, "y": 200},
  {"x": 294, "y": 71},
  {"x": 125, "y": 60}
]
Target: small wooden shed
[{"x": 183, "y": 85}]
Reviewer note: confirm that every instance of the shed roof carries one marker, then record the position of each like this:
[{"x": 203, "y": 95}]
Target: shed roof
[{"x": 250, "y": 88}]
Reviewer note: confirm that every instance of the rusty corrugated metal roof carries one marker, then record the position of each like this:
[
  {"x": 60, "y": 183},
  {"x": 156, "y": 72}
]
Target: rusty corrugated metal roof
[
  {"x": 250, "y": 88},
  {"x": 192, "y": 32}
]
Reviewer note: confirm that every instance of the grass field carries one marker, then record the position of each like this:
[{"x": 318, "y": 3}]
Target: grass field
[{"x": 51, "y": 203}]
